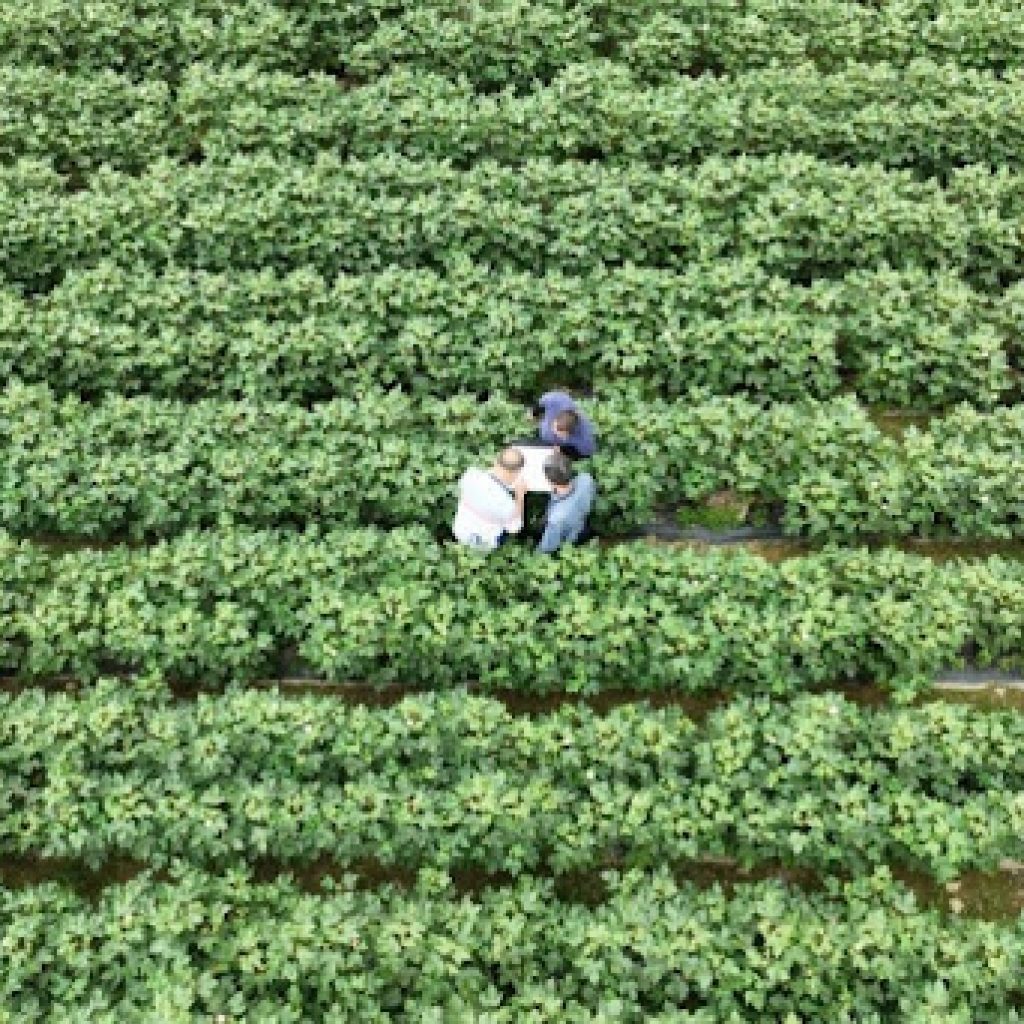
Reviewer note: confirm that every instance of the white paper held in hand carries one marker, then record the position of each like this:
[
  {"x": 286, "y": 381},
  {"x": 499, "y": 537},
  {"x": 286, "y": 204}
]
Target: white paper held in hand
[{"x": 533, "y": 466}]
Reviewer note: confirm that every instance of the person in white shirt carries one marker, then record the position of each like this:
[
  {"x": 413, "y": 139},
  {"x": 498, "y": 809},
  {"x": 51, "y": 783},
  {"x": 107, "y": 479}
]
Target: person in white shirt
[{"x": 491, "y": 502}]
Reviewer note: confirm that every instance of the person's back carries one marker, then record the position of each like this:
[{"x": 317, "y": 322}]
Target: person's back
[
  {"x": 564, "y": 425},
  {"x": 572, "y": 499},
  {"x": 490, "y": 503}
]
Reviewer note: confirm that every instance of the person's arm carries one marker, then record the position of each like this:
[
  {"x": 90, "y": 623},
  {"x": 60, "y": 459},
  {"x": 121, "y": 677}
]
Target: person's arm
[
  {"x": 515, "y": 525},
  {"x": 540, "y": 407},
  {"x": 586, "y": 481},
  {"x": 552, "y": 539},
  {"x": 586, "y": 439}
]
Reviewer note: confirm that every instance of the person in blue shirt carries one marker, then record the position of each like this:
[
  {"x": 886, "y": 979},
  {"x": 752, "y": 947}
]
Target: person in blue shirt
[
  {"x": 572, "y": 498},
  {"x": 562, "y": 424}
]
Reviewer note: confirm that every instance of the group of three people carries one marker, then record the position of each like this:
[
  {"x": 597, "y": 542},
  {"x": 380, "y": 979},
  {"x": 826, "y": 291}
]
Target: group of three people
[{"x": 492, "y": 501}]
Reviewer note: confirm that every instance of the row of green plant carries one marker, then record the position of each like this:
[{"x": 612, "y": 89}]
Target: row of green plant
[
  {"x": 932, "y": 117},
  {"x": 157, "y": 39},
  {"x": 144, "y": 467},
  {"x": 800, "y": 216},
  {"x": 730, "y": 36},
  {"x": 515, "y": 43},
  {"x": 512, "y": 42},
  {"x": 79, "y": 121},
  {"x": 455, "y": 781},
  {"x": 653, "y": 951},
  {"x": 899, "y": 338},
  {"x": 497, "y": 43},
  {"x": 395, "y": 607}
]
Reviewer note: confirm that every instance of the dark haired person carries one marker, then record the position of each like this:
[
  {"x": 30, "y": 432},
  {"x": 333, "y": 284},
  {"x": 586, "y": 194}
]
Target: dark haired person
[
  {"x": 491, "y": 502},
  {"x": 562, "y": 424},
  {"x": 572, "y": 498}
]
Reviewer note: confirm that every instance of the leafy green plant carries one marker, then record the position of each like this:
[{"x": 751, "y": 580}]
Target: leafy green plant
[
  {"x": 932, "y": 117},
  {"x": 507, "y": 43},
  {"x": 143, "y": 467},
  {"x": 709, "y": 517},
  {"x": 203, "y": 947},
  {"x": 801, "y": 217},
  {"x": 162, "y": 38},
  {"x": 456, "y": 781},
  {"x": 722, "y": 511},
  {"x": 729, "y": 36},
  {"x": 387, "y": 606},
  {"x": 903, "y": 338}
]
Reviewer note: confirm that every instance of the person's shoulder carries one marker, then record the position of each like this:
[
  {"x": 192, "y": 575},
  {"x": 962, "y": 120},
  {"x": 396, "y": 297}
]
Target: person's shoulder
[
  {"x": 559, "y": 398},
  {"x": 472, "y": 477}
]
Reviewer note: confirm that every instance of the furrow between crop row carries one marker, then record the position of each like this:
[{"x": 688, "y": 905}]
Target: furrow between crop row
[
  {"x": 981, "y": 895},
  {"x": 774, "y": 549},
  {"x": 996, "y": 691}
]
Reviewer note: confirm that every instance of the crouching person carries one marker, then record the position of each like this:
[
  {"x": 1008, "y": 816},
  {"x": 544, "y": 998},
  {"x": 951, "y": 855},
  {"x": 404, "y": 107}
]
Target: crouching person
[
  {"x": 562, "y": 424},
  {"x": 572, "y": 498},
  {"x": 491, "y": 502}
]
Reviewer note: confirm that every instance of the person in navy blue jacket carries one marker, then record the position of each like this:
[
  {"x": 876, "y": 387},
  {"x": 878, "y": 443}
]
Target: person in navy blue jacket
[{"x": 562, "y": 424}]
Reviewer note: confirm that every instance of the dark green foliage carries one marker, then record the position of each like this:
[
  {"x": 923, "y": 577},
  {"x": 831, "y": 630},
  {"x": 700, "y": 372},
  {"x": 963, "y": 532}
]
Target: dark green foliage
[
  {"x": 454, "y": 781},
  {"x": 931, "y": 117},
  {"x": 387, "y": 607},
  {"x": 655, "y": 952},
  {"x": 801, "y": 217},
  {"x": 908, "y": 339},
  {"x": 144, "y": 467}
]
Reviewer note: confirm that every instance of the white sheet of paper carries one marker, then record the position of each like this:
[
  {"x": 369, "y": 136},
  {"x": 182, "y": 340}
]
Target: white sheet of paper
[{"x": 533, "y": 467}]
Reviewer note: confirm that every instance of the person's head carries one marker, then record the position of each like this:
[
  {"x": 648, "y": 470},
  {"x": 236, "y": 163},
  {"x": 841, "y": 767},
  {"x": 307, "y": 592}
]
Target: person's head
[
  {"x": 509, "y": 464},
  {"x": 558, "y": 469},
  {"x": 565, "y": 424}
]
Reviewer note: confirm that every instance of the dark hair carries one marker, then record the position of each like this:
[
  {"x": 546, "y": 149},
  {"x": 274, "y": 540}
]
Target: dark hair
[
  {"x": 558, "y": 469},
  {"x": 566, "y": 421},
  {"x": 511, "y": 459}
]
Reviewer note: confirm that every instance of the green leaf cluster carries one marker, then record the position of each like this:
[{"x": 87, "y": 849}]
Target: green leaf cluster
[
  {"x": 902, "y": 338},
  {"x": 517, "y": 42},
  {"x": 500, "y": 42},
  {"x": 453, "y": 781},
  {"x": 393, "y": 606},
  {"x": 731, "y": 36},
  {"x": 932, "y": 117},
  {"x": 507, "y": 42},
  {"x": 197, "y": 947},
  {"x": 800, "y": 216},
  {"x": 154, "y": 38},
  {"x": 143, "y": 467}
]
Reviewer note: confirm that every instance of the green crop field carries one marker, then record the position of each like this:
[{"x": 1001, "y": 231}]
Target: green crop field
[{"x": 275, "y": 749}]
